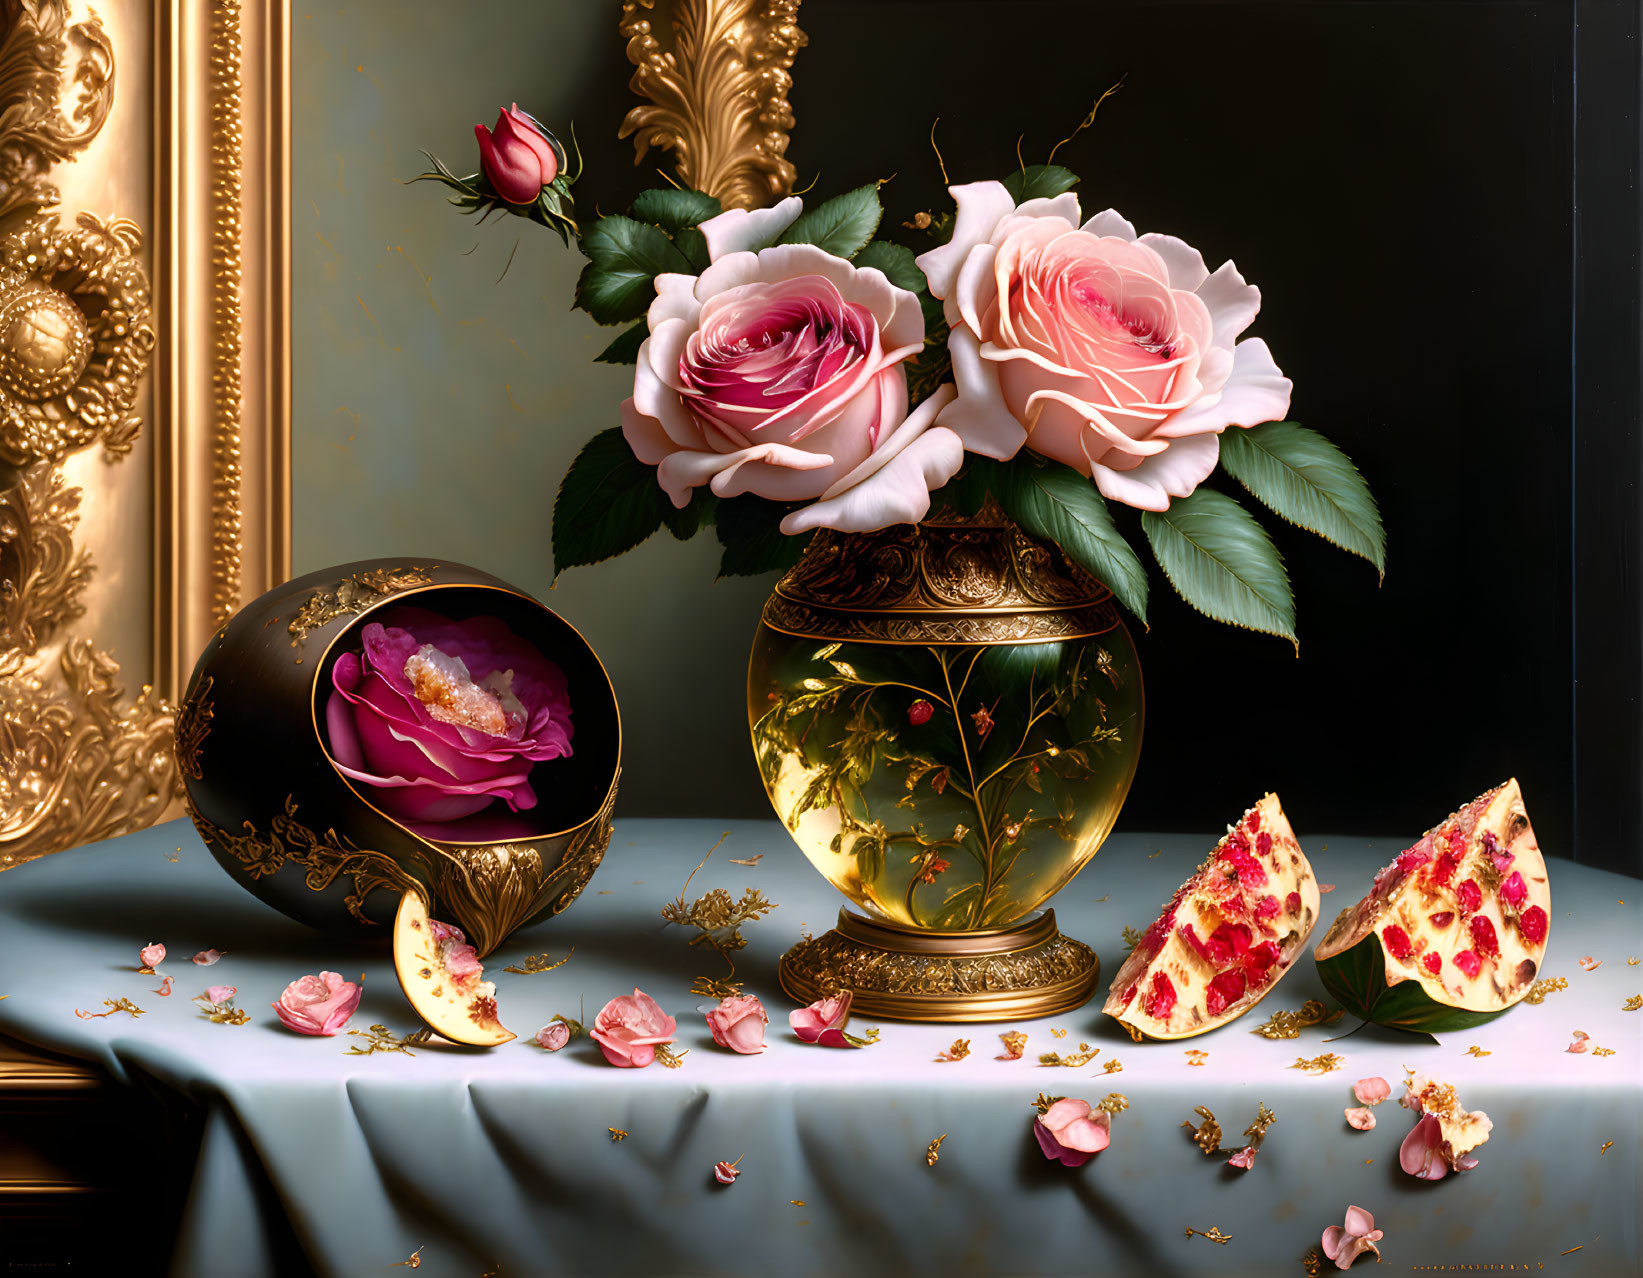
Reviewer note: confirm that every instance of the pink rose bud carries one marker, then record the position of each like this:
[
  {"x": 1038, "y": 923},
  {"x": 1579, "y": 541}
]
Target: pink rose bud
[
  {"x": 628, "y": 1030},
  {"x": 205, "y": 958},
  {"x": 823, "y": 1021},
  {"x": 216, "y": 994},
  {"x": 1244, "y": 1158},
  {"x": 1071, "y": 1132},
  {"x": 553, "y": 1036},
  {"x": 517, "y": 156},
  {"x": 1362, "y": 1119},
  {"x": 152, "y": 955},
  {"x": 738, "y": 1023},
  {"x": 319, "y": 1005},
  {"x": 726, "y": 1173},
  {"x": 1371, "y": 1091},
  {"x": 919, "y": 712}
]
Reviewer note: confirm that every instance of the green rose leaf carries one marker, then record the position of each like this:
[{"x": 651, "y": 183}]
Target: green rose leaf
[
  {"x": 692, "y": 243},
  {"x": 1310, "y": 482},
  {"x": 625, "y": 349},
  {"x": 608, "y": 503},
  {"x": 624, "y": 258},
  {"x": 1223, "y": 563},
  {"x": 749, "y": 529},
  {"x": 896, "y": 261},
  {"x": 673, "y": 210},
  {"x": 1056, "y": 503},
  {"x": 696, "y": 514},
  {"x": 1039, "y": 182},
  {"x": 842, "y": 226}
]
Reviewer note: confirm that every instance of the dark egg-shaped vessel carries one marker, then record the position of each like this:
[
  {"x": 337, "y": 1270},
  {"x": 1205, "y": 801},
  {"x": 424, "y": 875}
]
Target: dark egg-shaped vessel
[{"x": 287, "y": 825}]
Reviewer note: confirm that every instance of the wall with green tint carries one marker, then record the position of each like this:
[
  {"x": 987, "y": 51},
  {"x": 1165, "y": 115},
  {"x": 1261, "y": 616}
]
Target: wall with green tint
[{"x": 440, "y": 392}]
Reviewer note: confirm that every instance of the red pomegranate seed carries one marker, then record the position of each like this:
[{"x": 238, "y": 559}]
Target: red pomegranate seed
[
  {"x": 1397, "y": 941},
  {"x": 1483, "y": 937},
  {"x": 1514, "y": 889},
  {"x": 1268, "y": 907},
  {"x": 1293, "y": 902},
  {"x": 1161, "y": 1002},
  {"x": 1129, "y": 995},
  {"x": 1471, "y": 897},
  {"x": 1532, "y": 924},
  {"x": 1445, "y": 868},
  {"x": 1189, "y": 934},
  {"x": 1433, "y": 962},
  {"x": 1253, "y": 821},
  {"x": 1263, "y": 844},
  {"x": 1225, "y": 989},
  {"x": 1443, "y": 918},
  {"x": 1469, "y": 963}
]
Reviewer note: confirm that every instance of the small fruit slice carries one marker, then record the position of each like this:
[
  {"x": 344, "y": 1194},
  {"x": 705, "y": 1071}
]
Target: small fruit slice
[
  {"x": 1453, "y": 931},
  {"x": 440, "y": 974},
  {"x": 1227, "y": 937}
]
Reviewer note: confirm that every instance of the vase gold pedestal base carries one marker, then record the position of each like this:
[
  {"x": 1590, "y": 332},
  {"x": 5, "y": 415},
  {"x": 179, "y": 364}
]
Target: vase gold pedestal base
[{"x": 902, "y": 973}]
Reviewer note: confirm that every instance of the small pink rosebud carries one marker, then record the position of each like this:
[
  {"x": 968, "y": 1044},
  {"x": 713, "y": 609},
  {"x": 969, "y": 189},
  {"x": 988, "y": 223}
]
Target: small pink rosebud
[
  {"x": 823, "y": 1021},
  {"x": 218, "y": 994},
  {"x": 1361, "y": 1119},
  {"x": 152, "y": 955},
  {"x": 552, "y": 1036},
  {"x": 205, "y": 958},
  {"x": 1071, "y": 1131},
  {"x": 519, "y": 156},
  {"x": 318, "y": 1005},
  {"x": 918, "y": 714},
  {"x": 1244, "y": 1158},
  {"x": 738, "y": 1023},
  {"x": 726, "y": 1173}
]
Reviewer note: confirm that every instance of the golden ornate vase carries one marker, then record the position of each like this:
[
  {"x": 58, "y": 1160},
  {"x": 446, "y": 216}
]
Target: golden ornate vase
[
  {"x": 278, "y": 816},
  {"x": 947, "y": 717}
]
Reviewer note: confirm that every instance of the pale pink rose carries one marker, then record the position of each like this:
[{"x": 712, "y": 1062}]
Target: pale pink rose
[
  {"x": 738, "y": 1023},
  {"x": 205, "y": 958},
  {"x": 1371, "y": 1091},
  {"x": 216, "y": 994},
  {"x": 1244, "y": 1158},
  {"x": 1343, "y": 1246},
  {"x": 726, "y": 1173},
  {"x": 152, "y": 955},
  {"x": 552, "y": 1036},
  {"x": 1071, "y": 1132},
  {"x": 1113, "y": 353},
  {"x": 319, "y": 1005},
  {"x": 1362, "y": 1119},
  {"x": 628, "y": 1030},
  {"x": 779, "y": 371},
  {"x": 823, "y": 1021}
]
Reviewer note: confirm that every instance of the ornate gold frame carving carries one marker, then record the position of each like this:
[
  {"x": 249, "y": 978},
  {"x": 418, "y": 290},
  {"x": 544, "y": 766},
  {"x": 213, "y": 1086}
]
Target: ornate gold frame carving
[{"x": 716, "y": 73}]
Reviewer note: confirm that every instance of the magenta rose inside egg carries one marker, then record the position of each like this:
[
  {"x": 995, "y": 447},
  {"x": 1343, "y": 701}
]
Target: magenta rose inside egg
[{"x": 442, "y": 718}]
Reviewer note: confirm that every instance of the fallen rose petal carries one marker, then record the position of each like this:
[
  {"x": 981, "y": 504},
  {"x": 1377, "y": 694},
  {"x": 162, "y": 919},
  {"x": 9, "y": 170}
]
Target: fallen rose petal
[
  {"x": 823, "y": 1021},
  {"x": 553, "y": 1036},
  {"x": 1344, "y": 1245},
  {"x": 1582, "y": 1043},
  {"x": 205, "y": 958},
  {"x": 1371, "y": 1091},
  {"x": 726, "y": 1173},
  {"x": 1244, "y": 1158},
  {"x": 165, "y": 987},
  {"x": 1421, "y": 1152},
  {"x": 1362, "y": 1119},
  {"x": 1325, "y": 887},
  {"x": 217, "y": 994},
  {"x": 152, "y": 955}
]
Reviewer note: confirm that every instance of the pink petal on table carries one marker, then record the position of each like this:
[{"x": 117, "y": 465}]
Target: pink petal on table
[
  {"x": 216, "y": 994},
  {"x": 726, "y": 1173},
  {"x": 1371, "y": 1091},
  {"x": 1244, "y": 1158},
  {"x": 205, "y": 958},
  {"x": 1361, "y": 1119},
  {"x": 1582, "y": 1043},
  {"x": 1421, "y": 1153},
  {"x": 152, "y": 955}
]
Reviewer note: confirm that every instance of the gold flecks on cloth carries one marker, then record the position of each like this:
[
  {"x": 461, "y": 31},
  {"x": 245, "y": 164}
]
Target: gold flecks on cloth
[
  {"x": 1313, "y": 1263},
  {"x": 1633, "y": 1004},
  {"x": 1319, "y": 1064},
  {"x": 1197, "y": 1056},
  {"x": 1607, "y": 1146},
  {"x": 380, "y": 1039},
  {"x": 931, "y": 1154},
  {"x": 1073, "y": 1060},
  {"x": 797, "y": 1202},
  {"x": 616, "y": 1133},
  {"x": 1603, "y": 1051},
  {"x": 1633, "y": 961},
  {"x": 1290, "y": 1024},
  {"x": 1571, "y": 1250},
  {"x": 1212, "y": 1233},
  {"x": 538, "y": 963},
  {"x": 1477, "y": 1051},
  {"x": 1114, "y": 1102},
  {"x": 1153, "y": 856},
  {"x": 1207, "y": 1135},
  {"x": 1015, "y": 1045},
  {"x": 957, "y": 1052},
  {"x": 1055, "y": 1033},
  {"x": 1540, "y": 989},
  {"x": 114, "y": 1005},
  {"x": 1113, "y": 1066}
]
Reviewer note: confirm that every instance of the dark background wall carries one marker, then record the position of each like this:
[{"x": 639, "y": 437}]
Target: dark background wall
[{"x": 1442, "y": 216}]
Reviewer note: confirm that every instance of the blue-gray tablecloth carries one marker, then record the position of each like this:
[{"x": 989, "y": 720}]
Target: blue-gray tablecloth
[{"x": 503, "y": 1161}]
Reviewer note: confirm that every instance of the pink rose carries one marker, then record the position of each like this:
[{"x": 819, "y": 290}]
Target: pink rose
[
  {"x": 1114, "y": 354},
  {"x": 319, "y": 1005},
  {"x": 216, "y": 994},
  {"x": 823, "y": 1021},
  {"x": 519, "y": 157},
  {"x": 779, "y": 372},
  {"x": 152, "y": 955},
  {"x": 553, "y": 1036},
  {"x": 439, "y": 717},
  {"x": 629, "y": 1029},
  {"x": 1071, "y": 1132},
  {"x": 738, "y": 1023}
]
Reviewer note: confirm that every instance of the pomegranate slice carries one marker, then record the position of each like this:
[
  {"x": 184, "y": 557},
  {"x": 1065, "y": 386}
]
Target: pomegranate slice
[
  {"x": 441, "y": 977},
  {"x": 1223, "y": 942},
  {"x": 1447, "y": 942}
]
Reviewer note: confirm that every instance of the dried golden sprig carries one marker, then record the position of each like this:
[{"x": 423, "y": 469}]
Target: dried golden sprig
[
  {"x": 957, "y": 1052},
  {"x": 1319, "y": 1064},
  {"x": 1607, "y": 1146},
  {"x": 1290, "y": 1024},
  {"x": 1207, "y": 1135},
  {"x": 665, "y": 1055},
  {"x": 719, "y": 917},
  {"x": 717, "y": 987},
  {"x": 538, "y": 963},
  {"x": 931, "y": 1154},
  {"x": 1015, "y": 1045},
  {"x": 616, "y": 1133},
  {"x": 1212, "y": 1233},
  {"x": 1042, "y": 1103},
  {"x": 1113, "y": 1102},
  {"x": 861, "y": 1040},
  {"x": 379, "y": 1038},
  {"x": 224, "y": 1013},
  {"x": 1477, "y": 1051},
  {"x": 1633, "y": 1004},
  {"x": 1132, "y": 938},
  {"x": 1255, "y": 1133},
  {"x": 1197, "y": 1056},
  {"x": 1073, "y": 1060},
  {"x": 747, "y": 860},
  {"x": 1540, "y": 989},
  {"x": 114, "y": 1005},
  {"x": 1055, "y": 1033},
  {"x": 1114, "y": 1066},
  {"x": 413, "y": 1261},
  {"x": 1603, "y": 1051}
]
